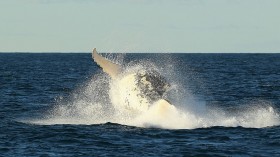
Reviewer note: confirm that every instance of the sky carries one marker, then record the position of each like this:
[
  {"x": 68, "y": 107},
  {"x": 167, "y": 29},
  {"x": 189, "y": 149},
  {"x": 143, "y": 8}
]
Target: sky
[{"x": 196, "y": 26}]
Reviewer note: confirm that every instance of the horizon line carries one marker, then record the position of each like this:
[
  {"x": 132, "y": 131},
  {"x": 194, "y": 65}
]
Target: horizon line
[{"x": 135, "y": 52}]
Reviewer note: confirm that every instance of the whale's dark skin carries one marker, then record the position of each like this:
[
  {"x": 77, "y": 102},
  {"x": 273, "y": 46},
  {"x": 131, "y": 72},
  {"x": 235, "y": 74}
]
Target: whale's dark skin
[{"x": 158, "y": 84}]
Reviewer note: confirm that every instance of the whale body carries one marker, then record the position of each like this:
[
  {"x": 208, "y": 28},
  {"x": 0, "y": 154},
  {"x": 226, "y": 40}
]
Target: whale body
[{"x": 138, "y": 90}]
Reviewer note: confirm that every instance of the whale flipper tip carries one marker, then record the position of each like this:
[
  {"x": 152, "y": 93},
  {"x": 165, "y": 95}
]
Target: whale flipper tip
[{"x": 109, "y": 67}]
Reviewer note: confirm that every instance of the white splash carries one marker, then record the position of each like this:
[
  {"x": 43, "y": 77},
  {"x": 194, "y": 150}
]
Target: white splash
[{"x": 103, "y": 100}]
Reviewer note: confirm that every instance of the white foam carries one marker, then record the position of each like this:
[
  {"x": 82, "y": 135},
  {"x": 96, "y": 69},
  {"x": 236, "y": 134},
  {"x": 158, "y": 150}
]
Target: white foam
[{"x": 101, "y": 101}]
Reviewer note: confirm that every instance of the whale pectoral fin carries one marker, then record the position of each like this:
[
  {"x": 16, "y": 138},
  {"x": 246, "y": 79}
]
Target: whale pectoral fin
[{"x": 108, "y": 67}]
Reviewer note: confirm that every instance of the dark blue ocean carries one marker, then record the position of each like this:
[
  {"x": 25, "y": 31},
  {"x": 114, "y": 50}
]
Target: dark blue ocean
[{"x": 59, "y": 104}]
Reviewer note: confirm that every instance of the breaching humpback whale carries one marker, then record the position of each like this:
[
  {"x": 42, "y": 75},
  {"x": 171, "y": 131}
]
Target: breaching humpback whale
[{"x": 142, "y": 88}]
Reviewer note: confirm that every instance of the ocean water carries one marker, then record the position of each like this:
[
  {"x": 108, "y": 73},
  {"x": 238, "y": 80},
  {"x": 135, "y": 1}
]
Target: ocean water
[{"x": 63, "y": 104}]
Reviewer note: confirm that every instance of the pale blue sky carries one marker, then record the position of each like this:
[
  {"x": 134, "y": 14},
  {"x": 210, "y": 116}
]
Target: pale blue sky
[{"x": 140, "y": 25}]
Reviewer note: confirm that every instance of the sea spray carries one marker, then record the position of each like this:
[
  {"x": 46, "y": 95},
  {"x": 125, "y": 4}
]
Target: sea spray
[{"x": 102, "y": 100}]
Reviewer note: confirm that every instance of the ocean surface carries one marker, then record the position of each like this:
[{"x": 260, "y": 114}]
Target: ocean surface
[{"x": 61, "y": 104}]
